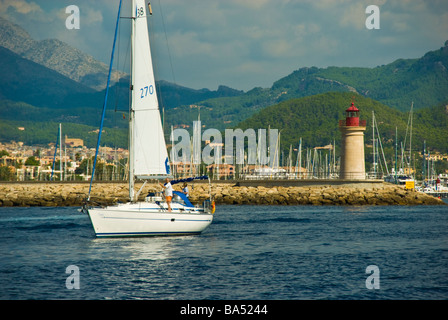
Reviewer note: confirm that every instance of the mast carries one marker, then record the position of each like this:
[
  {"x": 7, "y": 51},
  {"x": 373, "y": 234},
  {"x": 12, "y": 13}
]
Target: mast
[
  {"x": 105, "y": 100},
  {"x": 65, "y": 160},
  {"x": 173, "y": 152},
  {"x": 373, "y": 143},
  {"x": 60, "y": 153},
  {"x": 131, "y": 108},
  {"x": 396, "y": 152},
  {"x": 299, "y": 159},
  {"x": 55, "y": 153},
  {"x": 290, "y": 158},
  {"x": 424, "y": 161},
  {"x": 410, "y": 139},
  {"x": 334, "y": 156}
]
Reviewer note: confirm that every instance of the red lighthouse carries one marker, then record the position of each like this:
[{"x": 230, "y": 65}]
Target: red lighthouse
[{"x": 352, "y": 148}]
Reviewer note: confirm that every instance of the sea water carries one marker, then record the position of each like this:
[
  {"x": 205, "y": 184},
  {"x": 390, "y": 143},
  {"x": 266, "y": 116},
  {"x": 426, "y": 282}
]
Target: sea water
[{"x": 249, "y": 252}]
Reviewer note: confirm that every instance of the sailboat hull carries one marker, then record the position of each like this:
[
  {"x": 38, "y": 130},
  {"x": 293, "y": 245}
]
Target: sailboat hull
[{"x": 146, "y": 219}]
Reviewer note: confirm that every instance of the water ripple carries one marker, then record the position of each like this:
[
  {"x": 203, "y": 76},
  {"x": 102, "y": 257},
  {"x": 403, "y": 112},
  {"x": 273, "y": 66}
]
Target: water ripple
[{"x": 249, "y": 252}]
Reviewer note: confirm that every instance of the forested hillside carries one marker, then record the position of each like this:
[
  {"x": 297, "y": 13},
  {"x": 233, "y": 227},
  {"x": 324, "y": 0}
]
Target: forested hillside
[
  {"x": 315, "y": 120},
  {"x": 423, "y": 81},
  {"x": 36, "y": 95}
]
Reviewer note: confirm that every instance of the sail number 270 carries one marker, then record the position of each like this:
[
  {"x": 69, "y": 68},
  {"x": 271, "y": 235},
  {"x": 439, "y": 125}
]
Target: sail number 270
[{"x": 145, "y": 90}]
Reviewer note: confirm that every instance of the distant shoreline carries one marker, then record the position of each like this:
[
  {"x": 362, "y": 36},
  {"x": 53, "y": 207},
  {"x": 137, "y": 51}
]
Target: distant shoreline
[{"x": 265, "y": 192}]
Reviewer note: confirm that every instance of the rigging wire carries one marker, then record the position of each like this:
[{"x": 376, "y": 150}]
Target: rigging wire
[
  {"x": 167, "y": 43},
  {"x": 161, "y": 103},
  {"x": 105, "y": 102}
]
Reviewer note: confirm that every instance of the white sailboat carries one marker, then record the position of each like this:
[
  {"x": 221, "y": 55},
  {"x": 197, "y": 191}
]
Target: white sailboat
[{"x": 148, "y": 158}]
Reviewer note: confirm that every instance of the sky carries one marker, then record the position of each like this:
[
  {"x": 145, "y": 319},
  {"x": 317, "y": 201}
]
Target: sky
[{"x": 246, "y": 43}]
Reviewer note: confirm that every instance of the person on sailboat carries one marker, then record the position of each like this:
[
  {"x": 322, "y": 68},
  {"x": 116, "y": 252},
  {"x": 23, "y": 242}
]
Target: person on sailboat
[
  {"x": 185, "y": 189},
  {"x": 168, "y": 192}
]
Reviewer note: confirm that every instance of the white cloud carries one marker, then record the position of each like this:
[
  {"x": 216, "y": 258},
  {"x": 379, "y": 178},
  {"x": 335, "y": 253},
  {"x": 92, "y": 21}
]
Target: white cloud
[
  {"x": 92, "y": 16},
  {"x": 88, "y": 15},
  {"x": 354, "y": 16},
  {"x": 20, "y": 6},
  {"x": 248, "y": 43},
  {"x": 251, "y": 4},
  {"x": 277, "y": 48}
]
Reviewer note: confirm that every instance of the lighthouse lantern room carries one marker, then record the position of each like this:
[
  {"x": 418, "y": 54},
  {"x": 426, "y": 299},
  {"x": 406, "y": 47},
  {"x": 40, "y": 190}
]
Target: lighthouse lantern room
[{"x": 352, "y": 116}]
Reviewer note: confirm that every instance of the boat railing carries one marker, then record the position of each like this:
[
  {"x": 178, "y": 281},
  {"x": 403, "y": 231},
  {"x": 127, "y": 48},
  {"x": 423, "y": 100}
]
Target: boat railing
[{"x": 154, "y": 196}]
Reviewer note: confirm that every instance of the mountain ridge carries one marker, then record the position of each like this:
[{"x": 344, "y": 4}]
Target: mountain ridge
[
  {"x": 16, "y": 84},
  {"x": 423, "y": 81},
  {"x": 56, "y": 55}
]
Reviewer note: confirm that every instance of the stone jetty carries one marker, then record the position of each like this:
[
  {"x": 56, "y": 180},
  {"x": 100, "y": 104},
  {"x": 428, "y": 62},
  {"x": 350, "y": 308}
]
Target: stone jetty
[{"x": 74, "y": 194}]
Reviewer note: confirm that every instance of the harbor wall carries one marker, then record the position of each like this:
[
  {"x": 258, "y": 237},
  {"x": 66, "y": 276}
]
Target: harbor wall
[{"x": 241, "y": 192}]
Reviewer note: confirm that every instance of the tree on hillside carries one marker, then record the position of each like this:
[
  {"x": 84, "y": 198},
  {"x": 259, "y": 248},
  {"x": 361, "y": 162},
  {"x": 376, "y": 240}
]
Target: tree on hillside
[
  {"x": 6, "y": 174},
  {"x": 32, "y": 161}
]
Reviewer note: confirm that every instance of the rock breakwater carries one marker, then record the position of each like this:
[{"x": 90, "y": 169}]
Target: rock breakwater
[
  {"x": 74, "y": 194},
  {"x": 324, "y": 195}
]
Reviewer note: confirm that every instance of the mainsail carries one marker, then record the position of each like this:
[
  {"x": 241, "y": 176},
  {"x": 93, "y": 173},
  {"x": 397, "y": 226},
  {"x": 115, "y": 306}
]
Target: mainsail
[{"x": 149, "y": 153}]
